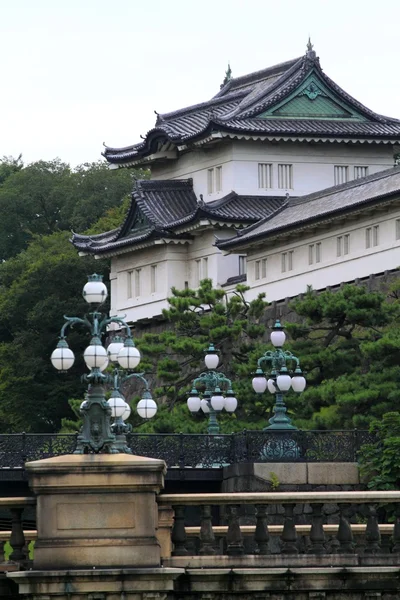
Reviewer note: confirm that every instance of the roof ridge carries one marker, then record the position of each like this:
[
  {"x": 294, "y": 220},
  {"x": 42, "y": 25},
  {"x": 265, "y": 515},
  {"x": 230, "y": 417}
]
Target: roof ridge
[
  {"x": 212, "y": 102},
  {"x": 345, "y": 186},
  {"x": 256, "y": 75}
]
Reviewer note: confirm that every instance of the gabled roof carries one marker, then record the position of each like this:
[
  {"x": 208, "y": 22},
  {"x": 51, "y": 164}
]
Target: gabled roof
[
  {"x": 164, "y": 208},
  {"x": 307, "y": 210},
  {"x": 294, "y": 100}
]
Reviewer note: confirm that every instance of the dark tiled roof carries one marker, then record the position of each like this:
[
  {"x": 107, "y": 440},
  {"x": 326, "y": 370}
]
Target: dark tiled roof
[
  {"x": 236, "y": 109},
  {"x": 323, "y": 204},
  {"x": 159, "y": 209}
]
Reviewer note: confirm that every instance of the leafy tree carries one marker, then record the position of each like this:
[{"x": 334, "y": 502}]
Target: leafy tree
[
  {"x": 379, "y": 461},
  {"x": 175, "y": 356},
  {"x": 47, "y": 196},
  {"x": 336, "y": 337}
]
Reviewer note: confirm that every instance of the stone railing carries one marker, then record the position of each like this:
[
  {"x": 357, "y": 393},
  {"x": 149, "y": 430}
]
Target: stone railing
[
  {"x": 17, "y": 538},
  {"x": 362, "y": 534}
]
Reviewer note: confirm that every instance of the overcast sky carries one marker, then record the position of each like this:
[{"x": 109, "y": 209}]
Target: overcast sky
[{"x": 76, "y": 73}]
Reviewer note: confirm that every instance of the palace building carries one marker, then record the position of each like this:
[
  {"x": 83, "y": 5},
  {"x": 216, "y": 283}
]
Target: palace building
[{"x": 282, "y": 176}]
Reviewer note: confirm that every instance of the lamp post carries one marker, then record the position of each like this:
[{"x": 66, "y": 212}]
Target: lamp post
[
  {"x": 217, "y": 391},
  {"x": 98, "y": 435},
  {"x": 280, "y": 379}
]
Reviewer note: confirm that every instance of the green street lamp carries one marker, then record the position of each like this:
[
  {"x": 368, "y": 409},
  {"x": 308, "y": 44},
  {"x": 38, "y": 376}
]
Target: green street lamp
[
  {"x": 98, "y": 435},
  {"x": 280, "y": 379},
  {"x": 217, "y": 392}
]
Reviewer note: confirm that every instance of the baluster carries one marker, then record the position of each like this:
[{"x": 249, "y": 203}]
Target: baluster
[
  {"x": 396, "y": 532},
  {"x": 317, "y": 536},
  {"x": 234, "y": 538},
  {"x": 261, "y": 535},
  {"x": 178, "y": 535},
  {"x": 372, "y": 533},
  {"x": 289, "y": 535},
  {"x": 344, "y": 535},
  {"x": 17, "y": 539},
  {"x": 207, "y": 538}
]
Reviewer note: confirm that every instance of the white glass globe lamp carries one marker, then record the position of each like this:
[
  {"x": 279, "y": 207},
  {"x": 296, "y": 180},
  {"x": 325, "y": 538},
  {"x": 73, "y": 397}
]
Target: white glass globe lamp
[
  {"x": 211, "y": 358},
  {"x": 95, "y": 355},
  {"x": 146, "y": 407},
  {"x": 259, "y": 382},
  {"x": 129, "y": 355},
  {"x": 283, "y": 381},
  {"x": 114, "y": 348},
  {"x": 204, "y": 406},
  {"x": 217, "y": 400},
  {"x": 194, "y": 402},
  {"x": 94, "y": 291},
  {"x": 271, "y": 386},
  {"x": 62, "y": 357},
  {"x": 278, "y": 336},
  {"x": 230, "y": 402},
  {"x": 127, "y": 412},
  {"x": 117, "y": 404},
  {"x": 298, "y": 381}
]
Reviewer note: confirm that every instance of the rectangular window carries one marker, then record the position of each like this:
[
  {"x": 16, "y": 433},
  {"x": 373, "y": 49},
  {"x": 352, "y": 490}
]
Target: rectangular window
[
  {"x": 341, "y": 174},
  {"x": 311, "y": 254},
  {"x": 264, "y": 268},
  {"x": 214, "y": 180},
  {"x": 285, "y": 177},
  {"x": 290, "y": 260},
  {"x": 242, "y": 265},
  {"x": 210, "y": 181},
  {"x": 153, "y": 279},
  {"x": 318, "y": 252},
  {"x": 257, "y": 270},
  {"x": 287, "y": 261},
  {"x": 205, "y": 268},
  {"x": 346, "y": 243},
  {"x": 265, "y": 176},
  {"x": 375, "y": 235},
  {"x": 137, "y": 282},
  {"x": 397, "y": 229},
  {"x": 368, "y": 236},
  {"x": 339, "y": 246},
  {"x": 284, "y": 261},
  {"x": 360, "y": 172},
  {"x": 197, "y": 272},
  {"x": 218, "y": 179},
  {"x": 129, "y": 284}
]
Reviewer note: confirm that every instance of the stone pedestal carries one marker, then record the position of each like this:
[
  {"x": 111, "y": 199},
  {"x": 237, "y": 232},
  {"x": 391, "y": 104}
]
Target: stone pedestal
[{"x": 96, "y": 511}]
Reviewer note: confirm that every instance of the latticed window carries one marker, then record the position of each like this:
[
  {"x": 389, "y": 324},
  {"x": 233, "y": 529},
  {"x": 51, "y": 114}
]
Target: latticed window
[
  {"x": 287, "y": 261},
  {"x": 210, "y": 181},
  {"x": 285, "y": 177},
  {"x": 129, "y": 284},
  {"x": 360, "y": 172},
  {"x": 214, "y": 180},
  {"x": 318, "y": 252},
  {"x": 137, "y": 282},
  {"x": 341, "y": 174},
  {"x": 397, "y": 229},
  {"x": 153, "y": 279},
  {"x": 264, "y": 268},
  {"x": 218, "y": 179},
  {"x": 264, "y": 176},
  {"x": 205, "y": 268},
  {"x": 257, "y": 269},
  {"x": 242, "y": 265}
]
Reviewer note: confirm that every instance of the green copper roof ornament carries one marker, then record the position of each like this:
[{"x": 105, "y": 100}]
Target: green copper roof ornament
[
  {"x": 310, "y": 49},
  {"x": 228, "y": 76}
]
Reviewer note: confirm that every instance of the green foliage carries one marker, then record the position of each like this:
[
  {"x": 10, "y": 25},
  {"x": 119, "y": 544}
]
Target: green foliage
[
  {"x": 175, "y": 356},
  {"x": 379, "y": 462},
  {"x": 48, "y": 196},
  {"x": 274, "y": 481},
  {"x": 41, "y": 279}
]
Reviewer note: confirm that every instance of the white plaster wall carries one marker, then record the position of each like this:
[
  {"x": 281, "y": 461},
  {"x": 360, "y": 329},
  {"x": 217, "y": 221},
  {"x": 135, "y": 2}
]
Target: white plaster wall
[
  {"x": 313, "y": 165},
  {"x": 332, "y": 270}
]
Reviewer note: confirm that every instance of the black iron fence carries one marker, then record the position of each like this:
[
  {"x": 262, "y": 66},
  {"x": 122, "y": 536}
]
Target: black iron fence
[{"x": 184, "y": 450}]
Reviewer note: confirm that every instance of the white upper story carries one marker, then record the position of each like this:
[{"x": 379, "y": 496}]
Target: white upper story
[{"x": 274, "y": 169}]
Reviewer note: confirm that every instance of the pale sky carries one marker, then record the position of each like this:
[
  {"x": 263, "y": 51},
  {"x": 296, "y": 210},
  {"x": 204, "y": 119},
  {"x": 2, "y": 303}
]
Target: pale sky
[{"x": 76, "y": 73}]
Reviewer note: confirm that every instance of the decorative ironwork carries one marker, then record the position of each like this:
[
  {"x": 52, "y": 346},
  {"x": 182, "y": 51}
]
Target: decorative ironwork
[{"x": 198, "y": 451}]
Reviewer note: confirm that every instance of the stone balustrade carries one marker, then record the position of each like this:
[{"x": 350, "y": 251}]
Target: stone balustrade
[
  {"x": 358, "y": 538},
  {"x": 17, "y": 538}
]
